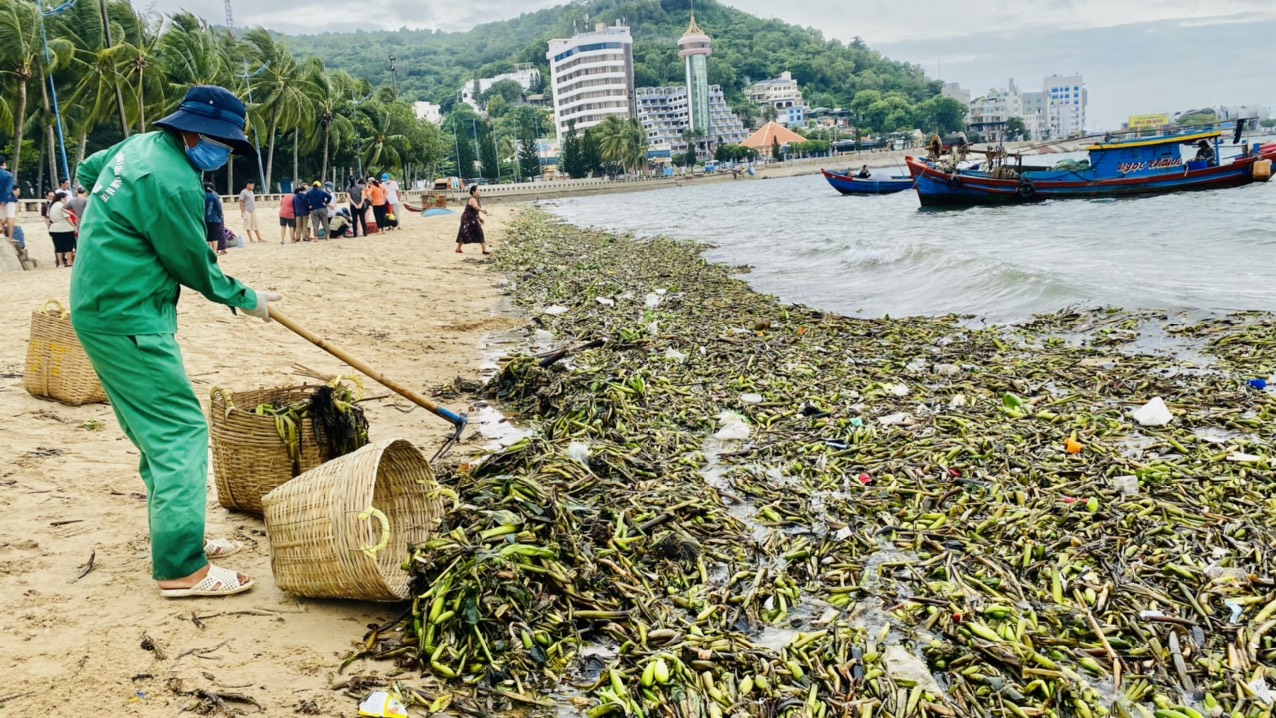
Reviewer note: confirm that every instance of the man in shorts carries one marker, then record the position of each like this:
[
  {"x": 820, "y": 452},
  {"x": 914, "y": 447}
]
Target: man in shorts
[
  {"x": 8, "y": 199},
  {"x": 248, "y": 212}
]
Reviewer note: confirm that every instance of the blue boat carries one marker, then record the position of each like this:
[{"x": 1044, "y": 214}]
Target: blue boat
[
  {"x": 1119, "y": 168},
  {"x": 848, "y": 184}
]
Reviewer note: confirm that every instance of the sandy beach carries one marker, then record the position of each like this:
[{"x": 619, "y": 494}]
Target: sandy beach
[{"x": 107, "y": 644}]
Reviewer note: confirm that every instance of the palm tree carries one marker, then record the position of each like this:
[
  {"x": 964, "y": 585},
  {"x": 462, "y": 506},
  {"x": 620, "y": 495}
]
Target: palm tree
[
  {"x": 332, "y": 100},
  {"x": 385, "y": 142},
  {"x": 132, "y": 63},
  {"x": 20, "y": 53},
  {"x": 285, "y": 90},
  {"x": 624, "y": 142},
  {"x": 190, "y": 54},
  {"x": 90, "y": 99}
]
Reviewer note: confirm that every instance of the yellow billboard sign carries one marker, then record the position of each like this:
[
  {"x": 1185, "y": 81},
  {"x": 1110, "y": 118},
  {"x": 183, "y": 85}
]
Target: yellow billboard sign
[{"x": 1141, "y": 122}]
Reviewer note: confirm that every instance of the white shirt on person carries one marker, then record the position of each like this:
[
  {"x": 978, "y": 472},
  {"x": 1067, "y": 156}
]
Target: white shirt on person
[
  {"x": 58, "y": 219},
  {"x": 391, "y": 191}
]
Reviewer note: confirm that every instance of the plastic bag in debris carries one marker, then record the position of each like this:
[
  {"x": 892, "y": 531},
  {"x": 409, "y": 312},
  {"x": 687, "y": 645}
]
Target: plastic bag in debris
[
  {"x": 903, "y": 666},
  {"x": 555, "y": 310},
  {"x": 578, "y": 452},
  {"x": 675, "y": 355},
  {"x": 1261, "y": 691},
  {"x": 1153, "y": 413},
  {"x": 731, "y": 427},
  {"x": 1127, "y": 485},
  {"x": 382, "y": 705}
]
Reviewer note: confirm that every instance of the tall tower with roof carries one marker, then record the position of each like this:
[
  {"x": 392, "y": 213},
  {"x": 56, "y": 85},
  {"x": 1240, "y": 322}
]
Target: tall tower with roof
[{"x": 693, "y": 48}]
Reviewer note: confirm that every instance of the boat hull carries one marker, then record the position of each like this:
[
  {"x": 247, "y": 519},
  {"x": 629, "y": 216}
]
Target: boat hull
[
  {"x": 937, "y": 188},
  {"x": 853, "y": 185}
]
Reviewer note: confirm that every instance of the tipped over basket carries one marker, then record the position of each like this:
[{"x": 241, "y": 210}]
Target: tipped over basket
[
  {"x": 57, "y": 367},
  {"x": 343, "y": 529}
]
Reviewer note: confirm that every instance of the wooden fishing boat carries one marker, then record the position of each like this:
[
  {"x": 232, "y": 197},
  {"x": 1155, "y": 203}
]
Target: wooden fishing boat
[
  {"x": 1119, "y": 168},
  {"x": 849, "y": 184}
]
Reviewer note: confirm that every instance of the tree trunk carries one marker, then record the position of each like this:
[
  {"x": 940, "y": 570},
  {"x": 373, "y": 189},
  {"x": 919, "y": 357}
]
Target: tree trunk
[
  {"x": 48, "y": 134},
  {"x": 17, "y": 135},
  {"x": 270, "y": 155},
  {"x": 115, "y": 77},
  {"x": 141, "y": 98},
  {"x": 53, "y": 157},
  {"x": 39, "y": 178},
  {"x": 324, "y": 173},
  {"x": 230, "y": 177},
  {"x": 79, "y": 153},
  {"x": 296, "y": 150}
]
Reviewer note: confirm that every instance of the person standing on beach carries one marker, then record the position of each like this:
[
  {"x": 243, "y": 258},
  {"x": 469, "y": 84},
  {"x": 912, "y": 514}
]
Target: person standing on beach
[
  {"x": 44, "y": 208},
  {"x": 248, "y": 212},
  {"x": 213, "y": 219},
  {"x": 61, "y": 231},
  {"x": 77, "y": 204},
  {"x": 8, "y": 199},
  {"x": 391, "y": 199},
  {"x": 317, "y": 201},
  {"x": 301, "y": 210},
  {"x": 358, "y": 205},
  {"x": 471, "y": 231},
  {"x": 144, "y": 238},
  {"x": 375, "y": 195},
  {"x": 287, "y": 219}
]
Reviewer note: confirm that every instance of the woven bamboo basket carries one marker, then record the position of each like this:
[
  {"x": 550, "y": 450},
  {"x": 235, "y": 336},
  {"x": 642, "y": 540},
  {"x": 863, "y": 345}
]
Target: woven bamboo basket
[
  {"x": 342, "y": 530},
  {"x": 57, "y": 367},
  {"x": 249, "y": 457}
]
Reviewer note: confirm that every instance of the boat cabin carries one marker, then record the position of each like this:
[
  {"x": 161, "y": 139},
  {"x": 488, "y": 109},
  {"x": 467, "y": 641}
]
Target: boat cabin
[{"x": 1158, "y": 155}]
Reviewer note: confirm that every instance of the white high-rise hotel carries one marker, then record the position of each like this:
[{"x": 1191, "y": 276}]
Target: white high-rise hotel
[
  {"x": 593, "y": 77},
  {"x": 1066, "y": 98}
]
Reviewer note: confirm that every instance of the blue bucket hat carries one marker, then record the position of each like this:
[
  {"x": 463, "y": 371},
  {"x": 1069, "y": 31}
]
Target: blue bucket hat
[
  {"x": 385, "y": 177},
  {"x": 215, "y": 112}
]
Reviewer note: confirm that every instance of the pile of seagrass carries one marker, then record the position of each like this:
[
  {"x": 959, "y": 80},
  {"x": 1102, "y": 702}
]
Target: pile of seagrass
[{"x": 924, "y": 518}]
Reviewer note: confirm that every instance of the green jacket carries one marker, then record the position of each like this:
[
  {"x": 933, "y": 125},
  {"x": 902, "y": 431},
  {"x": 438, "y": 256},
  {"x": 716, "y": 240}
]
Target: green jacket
[{"x": 143, "y": 236}]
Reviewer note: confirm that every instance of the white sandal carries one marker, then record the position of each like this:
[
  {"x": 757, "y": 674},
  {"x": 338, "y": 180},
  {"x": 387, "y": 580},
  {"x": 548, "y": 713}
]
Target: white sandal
[
  {"x": 221, "y": 548},
  {"x": 219, "y": 582}
]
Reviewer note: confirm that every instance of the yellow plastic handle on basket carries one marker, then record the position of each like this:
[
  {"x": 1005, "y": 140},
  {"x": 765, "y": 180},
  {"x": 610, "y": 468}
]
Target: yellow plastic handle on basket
[
  {"x": 372, "y": 512},
  {"x": 61, "y": 310}
]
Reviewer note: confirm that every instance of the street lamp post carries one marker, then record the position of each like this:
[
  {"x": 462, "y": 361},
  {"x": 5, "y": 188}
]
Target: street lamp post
[
  {"x": 261, "y": 169},
  {"x": 358, "y": 152}
]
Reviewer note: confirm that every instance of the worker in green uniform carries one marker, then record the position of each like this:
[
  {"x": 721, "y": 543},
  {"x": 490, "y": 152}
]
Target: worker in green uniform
[{"x": 142, "y": 238}]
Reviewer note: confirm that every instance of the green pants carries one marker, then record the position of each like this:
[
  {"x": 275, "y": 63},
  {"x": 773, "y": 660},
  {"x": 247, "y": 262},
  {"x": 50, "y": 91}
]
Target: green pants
[{"x": 146, "y": 382}]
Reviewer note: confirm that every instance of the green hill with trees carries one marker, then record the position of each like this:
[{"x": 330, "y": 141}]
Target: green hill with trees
[
  {"x": 434, "y": 65},
  {"x": 325, "y": 106}
]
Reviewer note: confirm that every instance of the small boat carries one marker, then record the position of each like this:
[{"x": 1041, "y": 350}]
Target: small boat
[
  {"x": 1117, "y": 168},
  {"x": 849, "y": 184}
]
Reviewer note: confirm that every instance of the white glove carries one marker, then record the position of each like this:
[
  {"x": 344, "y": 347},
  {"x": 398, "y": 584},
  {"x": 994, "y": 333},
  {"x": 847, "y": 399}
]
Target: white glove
[{"x": 263, "y": 304}]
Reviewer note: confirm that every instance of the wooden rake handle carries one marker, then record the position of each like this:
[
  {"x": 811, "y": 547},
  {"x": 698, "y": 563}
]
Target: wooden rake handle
[{"x": 457, "y": 420}]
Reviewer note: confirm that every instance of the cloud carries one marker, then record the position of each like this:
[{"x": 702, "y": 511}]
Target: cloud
[
  {"x": 885, "y": 21},
  {"x": 1166, "y": 66},
  {"x": 877, "y": 21}
]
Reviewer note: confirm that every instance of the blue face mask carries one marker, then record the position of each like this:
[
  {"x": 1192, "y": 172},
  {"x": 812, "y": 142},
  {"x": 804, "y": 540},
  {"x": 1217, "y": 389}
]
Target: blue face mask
[{"x": 208, "y": 155}]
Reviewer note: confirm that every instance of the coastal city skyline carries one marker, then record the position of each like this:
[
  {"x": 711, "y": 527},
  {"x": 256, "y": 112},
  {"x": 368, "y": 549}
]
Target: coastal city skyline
[{"x": 1131, "y": 53}]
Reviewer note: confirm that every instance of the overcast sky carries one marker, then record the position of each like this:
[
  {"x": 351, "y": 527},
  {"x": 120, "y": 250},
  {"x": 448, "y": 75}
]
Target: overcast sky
[{"x": 1136, "y": 55}]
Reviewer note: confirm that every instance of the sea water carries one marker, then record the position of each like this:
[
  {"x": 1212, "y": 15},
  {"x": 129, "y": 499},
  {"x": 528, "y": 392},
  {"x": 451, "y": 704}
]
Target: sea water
[{"x": 885, "y": 255}]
